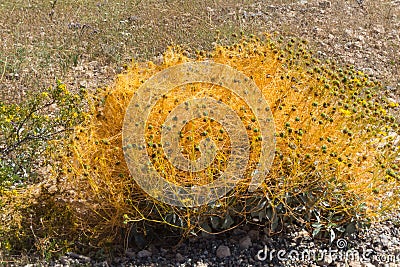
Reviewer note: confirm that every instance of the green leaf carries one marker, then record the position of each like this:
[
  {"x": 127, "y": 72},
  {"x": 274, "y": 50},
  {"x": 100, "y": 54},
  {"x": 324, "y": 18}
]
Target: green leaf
[
  {"x": 316, "y": 231},
  {"x": 206, "y": 227},
  {"x": 215, "y": 222},
  {"x": 269, "y": 214},
  {"x": 316, "y": 225},
  {"x": 227, "y": 223},
  {"x": 275, "y": 222},
  {"x": 262, "y": 215}
]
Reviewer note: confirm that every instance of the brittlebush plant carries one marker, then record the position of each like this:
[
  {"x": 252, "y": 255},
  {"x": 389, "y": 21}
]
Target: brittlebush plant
[
  {"x": 30, "y": 131},
  {"x": 336, "y": 159}
]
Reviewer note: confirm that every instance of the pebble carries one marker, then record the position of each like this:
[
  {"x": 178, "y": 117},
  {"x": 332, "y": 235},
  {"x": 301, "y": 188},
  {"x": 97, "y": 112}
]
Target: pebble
[
  {"x": 245, "y": 242},
  {"x": 64, "y": 260},
  {"x": 101, "y": 264},
  {"x": 325, "y": 4},
  {"x": 254, "y": 235},
  {"x": 144, "y": 254},
  {"x": 223, "y": 251},
  {"x": 179, "y": 257},
  {"x": 130, "y": 254},
  {"x": 80, "y": 258}
]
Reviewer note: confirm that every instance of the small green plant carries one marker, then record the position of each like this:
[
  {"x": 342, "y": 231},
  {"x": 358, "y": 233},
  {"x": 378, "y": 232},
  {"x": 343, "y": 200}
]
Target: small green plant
[
  {"x": 30, "y": 128},
  {"x": 29, "y": 133}
]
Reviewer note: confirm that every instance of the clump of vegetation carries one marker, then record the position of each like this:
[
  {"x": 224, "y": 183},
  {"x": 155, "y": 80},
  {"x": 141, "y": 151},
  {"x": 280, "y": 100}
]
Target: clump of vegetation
[
  {"x": 29, "y": 129},
  {"x": 336, "y": 162},
  {"x": 30, "y": 132}
]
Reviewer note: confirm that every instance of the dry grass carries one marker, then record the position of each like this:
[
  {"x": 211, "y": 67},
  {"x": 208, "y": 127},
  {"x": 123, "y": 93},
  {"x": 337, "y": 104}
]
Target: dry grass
[{"x": 86, "y": 43}]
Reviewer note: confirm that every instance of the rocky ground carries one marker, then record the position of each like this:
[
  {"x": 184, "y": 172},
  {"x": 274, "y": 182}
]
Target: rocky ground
[{"x": 378, "y": 245}]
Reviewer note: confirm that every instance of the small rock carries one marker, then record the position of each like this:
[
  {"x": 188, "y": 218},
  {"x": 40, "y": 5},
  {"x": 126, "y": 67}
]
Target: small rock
[
  {"x": 80, "y": 258},
  {"x": 130, "y": 254},
  {"x": 223, "y": 252},
  {"x": 349, "y": 32},
  {"x": 238, "y": 231},
  {"x": 325, "y": 4},
  {"x": 179, "y": 257},
  {"x": 153, "y": 249},
  {"x": 101, "y": 264},
  {"x": 304, "y": 234},
  {"x": 355, "y": 264},
  {"x": 385, "y": 241},
  {"x": 245, "y": 242},
  {"x": 144, "y": 253},
  {"x": 83, "y": 84},
  {"x": 52, "y": 189},
  {"x": 360, "y": 38},
  {"x": 254, "y": 235},
  {"x": 64, "y": 260}
]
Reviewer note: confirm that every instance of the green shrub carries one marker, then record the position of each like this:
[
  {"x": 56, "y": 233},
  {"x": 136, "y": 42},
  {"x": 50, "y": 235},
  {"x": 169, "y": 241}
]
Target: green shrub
[
  {"x": 30, "y": 133},
  {"x": 29, "y": 129}
]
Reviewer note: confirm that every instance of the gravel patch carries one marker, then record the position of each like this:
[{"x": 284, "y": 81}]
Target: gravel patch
[{"x": 378, "y": 245}]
